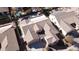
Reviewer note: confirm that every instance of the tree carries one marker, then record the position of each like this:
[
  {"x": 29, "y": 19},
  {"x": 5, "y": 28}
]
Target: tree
[{"x": 68, "y": 40}]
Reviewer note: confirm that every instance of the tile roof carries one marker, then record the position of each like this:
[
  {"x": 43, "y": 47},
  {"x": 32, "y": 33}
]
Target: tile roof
[
  {"x": 39, "y": 24},
  {"x": 68, "y": 17}
]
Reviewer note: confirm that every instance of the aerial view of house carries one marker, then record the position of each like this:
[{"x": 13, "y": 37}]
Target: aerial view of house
[{"x": 39, "y": 29}]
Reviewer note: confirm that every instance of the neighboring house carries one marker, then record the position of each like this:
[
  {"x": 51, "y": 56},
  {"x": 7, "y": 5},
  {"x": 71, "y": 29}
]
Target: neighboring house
[
  {"x": 4, "y": 9},
  {"x": 8, "y": 40},
  {"x": 65, "y": 21},
  {"x": 70, "y": 9},
  {"x": 39, "y": 29}
]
